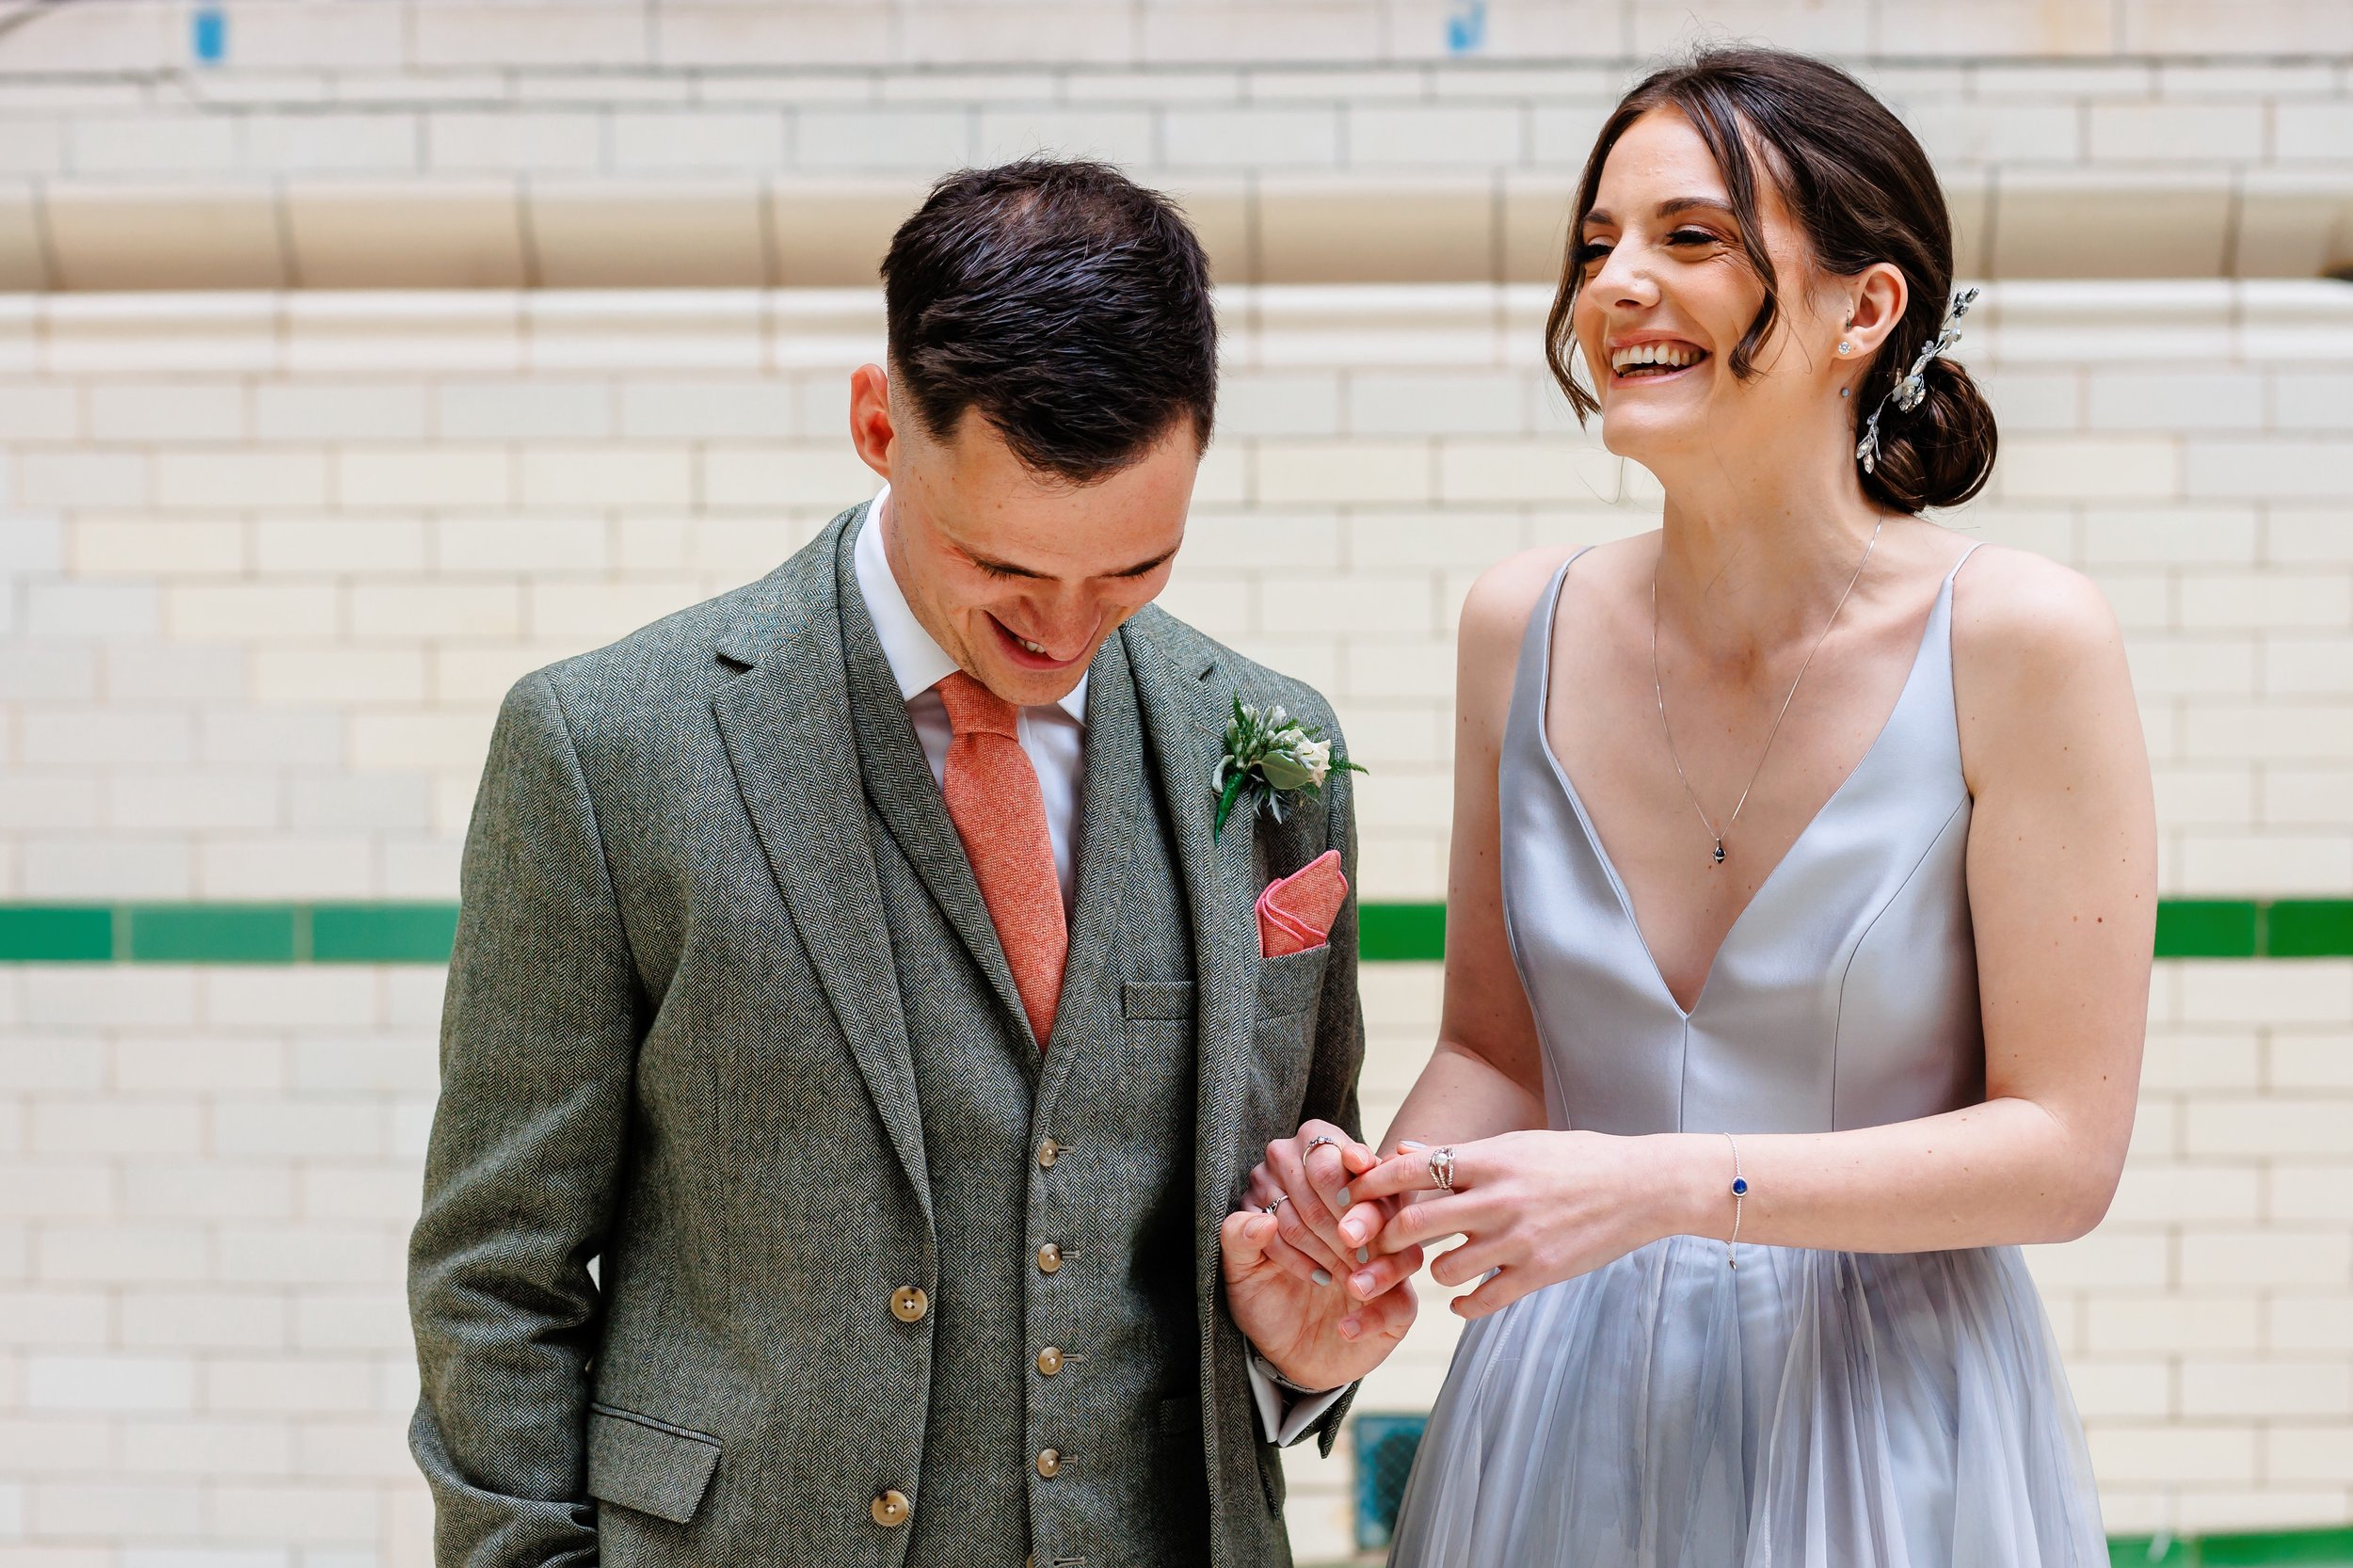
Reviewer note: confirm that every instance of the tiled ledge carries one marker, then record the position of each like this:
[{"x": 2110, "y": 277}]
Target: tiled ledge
[
  {"x": 1475, "y": 226},
  {"x": 421, "y": 933},
  {"x": 1274, "y": 327}
]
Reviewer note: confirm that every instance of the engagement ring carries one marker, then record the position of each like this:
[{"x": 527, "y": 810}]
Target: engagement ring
[{"x": 1442, "y": 1168}]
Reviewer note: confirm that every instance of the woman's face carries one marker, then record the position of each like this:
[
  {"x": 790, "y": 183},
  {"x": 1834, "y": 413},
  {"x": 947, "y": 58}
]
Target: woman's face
[{"x": 1667, "y": 293}]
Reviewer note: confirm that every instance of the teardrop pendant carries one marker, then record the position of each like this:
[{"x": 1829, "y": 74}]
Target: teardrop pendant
[{"x": 1719, "y": 852}]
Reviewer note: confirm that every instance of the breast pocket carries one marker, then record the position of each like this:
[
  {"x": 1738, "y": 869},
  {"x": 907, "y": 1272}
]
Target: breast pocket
[
  {"x": 1290, "y": 984},
  {"x": 1289, "y": 989}
]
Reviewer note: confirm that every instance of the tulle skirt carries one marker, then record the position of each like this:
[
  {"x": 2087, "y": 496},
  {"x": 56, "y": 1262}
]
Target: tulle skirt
[{"x": 1823, "y": 1409}]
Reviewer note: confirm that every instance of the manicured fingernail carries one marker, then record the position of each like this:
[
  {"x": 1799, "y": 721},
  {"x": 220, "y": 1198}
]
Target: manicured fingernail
[
  {"x": 1409, "y": 1143},
  {"x": 1363, "y": 1255},
  {"x": 1343, "y": 1196},
  {"x": 1322, "y": 1278},
  {"x": 1363, "y": 1284}
]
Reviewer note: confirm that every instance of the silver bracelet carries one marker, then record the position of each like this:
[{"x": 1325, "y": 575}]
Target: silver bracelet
[{"x": 1739, "y": 1191}]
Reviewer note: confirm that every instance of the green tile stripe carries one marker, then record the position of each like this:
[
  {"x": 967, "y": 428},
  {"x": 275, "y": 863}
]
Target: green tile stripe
[
  {"x": 421, "y": 932},
  {"x": 2313, "y": 1547},
  {"x": 346, "y": 933}
]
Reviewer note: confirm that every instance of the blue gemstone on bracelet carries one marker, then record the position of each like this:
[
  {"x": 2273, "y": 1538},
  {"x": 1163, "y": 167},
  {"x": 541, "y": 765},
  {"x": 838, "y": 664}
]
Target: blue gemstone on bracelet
[{"x": 1740, "y": 1186}]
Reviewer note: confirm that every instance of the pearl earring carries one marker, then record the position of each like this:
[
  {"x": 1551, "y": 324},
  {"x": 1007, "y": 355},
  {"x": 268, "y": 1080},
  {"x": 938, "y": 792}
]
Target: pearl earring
[{"x": 1845, "y": 348}]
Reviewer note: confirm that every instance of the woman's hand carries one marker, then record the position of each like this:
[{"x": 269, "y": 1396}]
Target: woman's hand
[
  {"x": 1323, "y": 1229},
  {"x": 1536, "y": 1207}
]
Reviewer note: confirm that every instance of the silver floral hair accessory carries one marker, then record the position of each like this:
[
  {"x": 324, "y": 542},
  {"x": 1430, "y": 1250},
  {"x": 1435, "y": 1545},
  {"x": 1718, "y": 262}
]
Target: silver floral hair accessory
[{"x": 1908, "y": 392}]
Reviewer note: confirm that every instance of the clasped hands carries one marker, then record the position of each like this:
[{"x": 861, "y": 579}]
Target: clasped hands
[{"x": 1324, "y": 1284}]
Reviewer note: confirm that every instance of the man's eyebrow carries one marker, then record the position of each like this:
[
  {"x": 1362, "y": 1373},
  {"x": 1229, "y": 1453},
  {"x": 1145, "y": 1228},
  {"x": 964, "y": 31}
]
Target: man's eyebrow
[
  {"x": 1001, "y": 568},
  {"x": 1143, "y": 567},
  {"x": 1007, "y": 569}
]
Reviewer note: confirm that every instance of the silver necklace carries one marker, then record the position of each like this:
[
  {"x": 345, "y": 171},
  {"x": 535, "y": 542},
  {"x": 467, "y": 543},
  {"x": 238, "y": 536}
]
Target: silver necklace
[{"x": 1660, "y": 689}]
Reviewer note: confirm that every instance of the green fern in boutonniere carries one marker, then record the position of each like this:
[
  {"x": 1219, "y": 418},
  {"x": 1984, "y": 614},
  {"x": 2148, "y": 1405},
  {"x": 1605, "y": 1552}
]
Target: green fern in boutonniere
[{"x": 1271, "y": 757}]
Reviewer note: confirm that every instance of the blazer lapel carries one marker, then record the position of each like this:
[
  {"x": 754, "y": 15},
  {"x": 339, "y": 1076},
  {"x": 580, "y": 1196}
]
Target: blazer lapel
[
  {"x": 898, "y": 782},
  {"x": 1184, "y": 709},
  {"x": 785, "y": 724}
]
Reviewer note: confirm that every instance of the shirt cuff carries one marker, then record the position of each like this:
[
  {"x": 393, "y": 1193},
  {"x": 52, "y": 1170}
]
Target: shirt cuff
[{"x": 1284, "y": 1417}]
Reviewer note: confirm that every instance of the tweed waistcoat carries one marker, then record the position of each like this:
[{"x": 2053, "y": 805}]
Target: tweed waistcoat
[{"x": 1114, "y": 1091}]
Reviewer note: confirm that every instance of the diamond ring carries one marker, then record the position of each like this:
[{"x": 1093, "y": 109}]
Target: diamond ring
[{"x": 1442, "y": 1168}]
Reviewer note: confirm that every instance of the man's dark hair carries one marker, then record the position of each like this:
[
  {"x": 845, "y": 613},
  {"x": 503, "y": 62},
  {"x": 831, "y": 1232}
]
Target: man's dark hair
[{"x": 1063, "y": 303}]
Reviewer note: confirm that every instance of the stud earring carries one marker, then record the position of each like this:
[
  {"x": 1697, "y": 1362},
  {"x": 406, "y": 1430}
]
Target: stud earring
[
  {"x": 1846, "y": 391},
  {"x": 1845, "y": 348}
]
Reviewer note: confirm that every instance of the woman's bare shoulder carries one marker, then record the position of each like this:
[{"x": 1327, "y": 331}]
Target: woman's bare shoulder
[
  {"x": 1506, "y": 594},
  {"x": 2017, "y": 614},
  {"x": 2040, "y": 678}
]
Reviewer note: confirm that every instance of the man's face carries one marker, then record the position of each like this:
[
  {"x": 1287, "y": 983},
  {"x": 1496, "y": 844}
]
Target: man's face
[{"x": 1017, "y": 576}]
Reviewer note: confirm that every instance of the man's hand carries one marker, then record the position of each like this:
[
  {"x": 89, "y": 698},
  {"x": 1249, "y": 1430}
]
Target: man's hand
[
  {"x": 1324, "y": 1309},
  {"x": 1318, "y": 1336}
]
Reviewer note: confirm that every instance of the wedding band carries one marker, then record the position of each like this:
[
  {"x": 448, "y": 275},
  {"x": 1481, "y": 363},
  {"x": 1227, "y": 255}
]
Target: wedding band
[
  {"x": 1280, "y": 1199},
  {"x": 1442, "y": 1168}
]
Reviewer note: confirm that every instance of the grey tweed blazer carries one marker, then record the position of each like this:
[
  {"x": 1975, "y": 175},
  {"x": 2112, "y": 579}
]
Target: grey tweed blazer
[{"x": 668, "y": 891}]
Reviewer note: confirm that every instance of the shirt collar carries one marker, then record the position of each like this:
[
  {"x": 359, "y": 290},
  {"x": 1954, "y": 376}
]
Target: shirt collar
[{"x": 917, "y": 662}]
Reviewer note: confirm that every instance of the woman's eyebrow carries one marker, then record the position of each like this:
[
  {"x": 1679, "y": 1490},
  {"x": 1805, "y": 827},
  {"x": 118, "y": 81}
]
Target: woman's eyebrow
[
  {"x": 1683, "y": 203},
  {"x": 1667, "y": 208}
]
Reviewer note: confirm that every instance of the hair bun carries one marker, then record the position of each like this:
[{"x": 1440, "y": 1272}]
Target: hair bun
[{"x": 1939, "y": 453}]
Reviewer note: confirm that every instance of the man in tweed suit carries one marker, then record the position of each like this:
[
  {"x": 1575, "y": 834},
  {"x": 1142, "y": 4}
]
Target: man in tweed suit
[{"x": 857, "y": 1037}]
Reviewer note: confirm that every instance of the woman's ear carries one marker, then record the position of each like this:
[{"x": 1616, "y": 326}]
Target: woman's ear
[{"x": 1878, "y": 296}]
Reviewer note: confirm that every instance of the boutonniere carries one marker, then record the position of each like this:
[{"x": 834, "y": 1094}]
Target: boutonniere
[{"x": 1271, "y": 757}]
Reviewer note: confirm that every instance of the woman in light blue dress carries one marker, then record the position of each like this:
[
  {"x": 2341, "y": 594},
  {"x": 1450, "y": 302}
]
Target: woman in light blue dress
[{"x": 1800, "y": 910}]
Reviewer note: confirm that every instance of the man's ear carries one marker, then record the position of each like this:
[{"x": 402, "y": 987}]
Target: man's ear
[{"x": 873, "y": 431}]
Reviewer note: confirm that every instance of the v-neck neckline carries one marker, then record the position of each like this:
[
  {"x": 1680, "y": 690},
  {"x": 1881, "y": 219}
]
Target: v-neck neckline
[{"x": 1601, "y": 851}]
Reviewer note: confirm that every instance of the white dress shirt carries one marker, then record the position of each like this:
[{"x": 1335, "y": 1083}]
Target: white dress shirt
[{"x": 1053, "y": 736}]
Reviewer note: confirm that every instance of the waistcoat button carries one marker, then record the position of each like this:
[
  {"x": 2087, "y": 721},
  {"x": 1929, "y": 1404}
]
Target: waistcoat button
[
  {"x": 909, "y": 1304},
  {"x": 1050, "y": 1361},
  {"x": 1047, "y": 1153},
  {"x": 890, "y": 1510},
  {"x": 1050, "y": 1260},
  {"x": 1048, "y": 1463}
]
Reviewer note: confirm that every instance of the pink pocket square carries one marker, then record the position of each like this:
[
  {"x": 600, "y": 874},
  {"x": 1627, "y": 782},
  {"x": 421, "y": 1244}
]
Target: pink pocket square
[{"x": 1296, "y": 912}]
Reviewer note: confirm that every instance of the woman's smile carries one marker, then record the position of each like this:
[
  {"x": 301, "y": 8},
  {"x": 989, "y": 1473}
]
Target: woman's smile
[{"x": 1654, "y": 360}]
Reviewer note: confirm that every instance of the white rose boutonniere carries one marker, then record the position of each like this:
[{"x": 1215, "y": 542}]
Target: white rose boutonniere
[{"x": 1271, "y": 757}]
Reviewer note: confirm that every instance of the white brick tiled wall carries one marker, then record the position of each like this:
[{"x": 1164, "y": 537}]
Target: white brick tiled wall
[
  {"x": 271, "y": 560},
  {"x": 408, "y": 157}
]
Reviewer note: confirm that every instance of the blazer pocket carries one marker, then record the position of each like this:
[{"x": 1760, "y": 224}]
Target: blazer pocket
[
  {"x": 646, "y": 1464},
  {"x": 1291, "y": 983},
  {"x": 1156, "y": 998}
]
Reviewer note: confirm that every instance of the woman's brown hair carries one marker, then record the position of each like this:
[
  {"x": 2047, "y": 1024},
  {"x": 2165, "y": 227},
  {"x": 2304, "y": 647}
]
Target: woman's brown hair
[{"x": 1861, "y": 188}]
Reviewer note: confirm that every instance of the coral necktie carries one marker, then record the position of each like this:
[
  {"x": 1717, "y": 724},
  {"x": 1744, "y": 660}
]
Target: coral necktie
[{"x": 994, "y": 800}]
